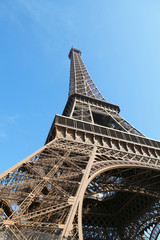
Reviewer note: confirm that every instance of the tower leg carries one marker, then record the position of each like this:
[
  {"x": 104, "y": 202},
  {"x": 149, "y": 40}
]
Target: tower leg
[{"x": 79, "y": 196}]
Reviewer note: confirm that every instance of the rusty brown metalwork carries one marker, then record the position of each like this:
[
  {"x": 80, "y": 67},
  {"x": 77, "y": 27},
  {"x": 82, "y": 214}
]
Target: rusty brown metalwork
[{"x": 97, "y": 177}]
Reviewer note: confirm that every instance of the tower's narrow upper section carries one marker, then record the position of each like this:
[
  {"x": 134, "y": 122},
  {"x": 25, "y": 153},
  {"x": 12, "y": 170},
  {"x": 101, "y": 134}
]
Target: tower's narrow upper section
[{"x": 80, "y": 80}]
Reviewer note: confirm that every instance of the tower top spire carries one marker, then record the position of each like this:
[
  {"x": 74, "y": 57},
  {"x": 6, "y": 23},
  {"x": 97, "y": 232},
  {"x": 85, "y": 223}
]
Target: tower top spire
[
  {"x": 74, "y": 50},
  {"x": 80, "y": 80}
]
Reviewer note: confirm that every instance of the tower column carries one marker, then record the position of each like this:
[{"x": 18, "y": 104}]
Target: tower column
[{"x": 79, "y": 196}]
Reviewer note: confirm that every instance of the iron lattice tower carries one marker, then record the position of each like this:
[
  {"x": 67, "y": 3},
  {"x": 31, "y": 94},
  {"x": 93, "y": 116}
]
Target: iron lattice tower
[{"x": 97, "y": 177}]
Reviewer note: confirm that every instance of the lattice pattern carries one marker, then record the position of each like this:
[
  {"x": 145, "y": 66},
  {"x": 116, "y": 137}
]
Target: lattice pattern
[
  {"x": 80, "y": 80},
  {"x": 102, "y": 116},
  {"x": 115, "y": 208},
  {"x": 34, "y": 196},
  {"x": 90, "y": 182},
  {"x": 40, "y": 197}
]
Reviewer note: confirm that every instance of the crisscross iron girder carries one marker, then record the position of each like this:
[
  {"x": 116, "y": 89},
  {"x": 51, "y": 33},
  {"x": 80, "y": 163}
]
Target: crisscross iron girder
[
  {"x": 90, "y": 181},
  {"x": 80, "y": 80},
  {"x": 50, "y": 192}
]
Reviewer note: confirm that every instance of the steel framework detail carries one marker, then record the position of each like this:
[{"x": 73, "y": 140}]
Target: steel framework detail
[{"x": 97, "y": 176}]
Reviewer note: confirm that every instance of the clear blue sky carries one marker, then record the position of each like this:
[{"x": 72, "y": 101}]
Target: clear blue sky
[{"x": 120, "y": 44}]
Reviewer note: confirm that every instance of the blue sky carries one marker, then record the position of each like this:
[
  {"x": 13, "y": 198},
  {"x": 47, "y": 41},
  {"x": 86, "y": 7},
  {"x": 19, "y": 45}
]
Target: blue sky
[{"x": 120, "y": 44}]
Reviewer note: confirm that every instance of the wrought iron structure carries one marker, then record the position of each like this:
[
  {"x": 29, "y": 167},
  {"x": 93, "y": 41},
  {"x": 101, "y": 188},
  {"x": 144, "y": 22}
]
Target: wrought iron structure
[{"x": 97, "y": 177}]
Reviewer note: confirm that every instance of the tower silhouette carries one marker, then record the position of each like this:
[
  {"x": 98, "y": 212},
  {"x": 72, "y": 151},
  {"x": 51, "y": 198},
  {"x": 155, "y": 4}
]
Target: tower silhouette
[{"x": 96, "y": 177}]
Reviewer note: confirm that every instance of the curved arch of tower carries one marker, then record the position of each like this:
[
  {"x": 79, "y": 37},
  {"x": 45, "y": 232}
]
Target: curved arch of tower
[{"x": 96, "y": 177}]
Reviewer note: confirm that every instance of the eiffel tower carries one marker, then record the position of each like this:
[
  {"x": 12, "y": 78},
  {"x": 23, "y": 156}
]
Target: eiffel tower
[{"x": 96, "y": 177}]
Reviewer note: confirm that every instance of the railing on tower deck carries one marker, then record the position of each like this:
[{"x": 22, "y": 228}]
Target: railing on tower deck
[{"x": 105, "y": 131}]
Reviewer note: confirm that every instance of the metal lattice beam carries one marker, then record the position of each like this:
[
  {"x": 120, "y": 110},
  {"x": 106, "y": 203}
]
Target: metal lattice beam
[
  {"x": 80, "y": 80},
  {"x": 96, "y": 178}
]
